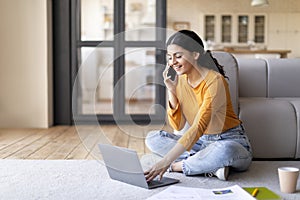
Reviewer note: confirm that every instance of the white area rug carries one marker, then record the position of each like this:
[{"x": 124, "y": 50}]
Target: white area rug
[{"x": 88, "y": 179}]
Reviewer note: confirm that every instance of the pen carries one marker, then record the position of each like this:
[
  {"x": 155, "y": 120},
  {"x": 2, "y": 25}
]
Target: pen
[{"x": 254, "y": 193}]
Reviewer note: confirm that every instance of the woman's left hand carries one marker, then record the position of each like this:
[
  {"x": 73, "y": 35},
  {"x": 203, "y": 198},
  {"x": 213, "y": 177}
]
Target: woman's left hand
[{"x": 158, "y": 169}]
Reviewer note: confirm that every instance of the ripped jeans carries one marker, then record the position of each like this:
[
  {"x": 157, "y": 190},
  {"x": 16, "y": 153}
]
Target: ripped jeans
[{"x": 211, "y": 152}]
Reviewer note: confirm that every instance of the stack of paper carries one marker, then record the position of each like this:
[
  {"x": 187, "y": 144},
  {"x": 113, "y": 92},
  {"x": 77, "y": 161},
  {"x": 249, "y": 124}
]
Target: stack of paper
[{"x": 178, "y": 192}]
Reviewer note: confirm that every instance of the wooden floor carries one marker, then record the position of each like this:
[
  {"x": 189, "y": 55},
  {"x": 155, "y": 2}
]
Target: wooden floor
[{"x": 70, "y": 142}]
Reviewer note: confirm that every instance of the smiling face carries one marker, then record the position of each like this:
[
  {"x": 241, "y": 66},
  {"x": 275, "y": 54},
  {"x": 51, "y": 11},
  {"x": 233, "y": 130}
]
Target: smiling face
[{"x": 181, "y": 60}]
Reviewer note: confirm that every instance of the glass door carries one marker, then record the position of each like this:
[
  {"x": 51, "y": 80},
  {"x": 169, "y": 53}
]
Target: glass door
[
  {"x": 259, "y": 29},
  {"x": 226, "y": 28},
  {"x": 120, "y": 60},
  {"x": 243, "y": 21},
  {"x": 210, "y": 28}
]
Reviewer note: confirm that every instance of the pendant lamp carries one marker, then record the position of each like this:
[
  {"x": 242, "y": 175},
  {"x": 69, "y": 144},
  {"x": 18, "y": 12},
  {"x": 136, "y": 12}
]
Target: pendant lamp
[{"x": 259, "y": 3}]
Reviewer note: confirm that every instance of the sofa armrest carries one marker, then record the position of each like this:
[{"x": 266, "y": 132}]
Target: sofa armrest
[{"x": 271, "y": 127}]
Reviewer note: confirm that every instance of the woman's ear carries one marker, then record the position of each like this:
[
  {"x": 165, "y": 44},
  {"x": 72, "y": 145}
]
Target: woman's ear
[{"x": 196, "y": 55}]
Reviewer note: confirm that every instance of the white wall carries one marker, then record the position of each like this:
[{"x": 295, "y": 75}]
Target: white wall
[
  {"x": 284, "y": 33},
  {"x": 25, "y": 63}
]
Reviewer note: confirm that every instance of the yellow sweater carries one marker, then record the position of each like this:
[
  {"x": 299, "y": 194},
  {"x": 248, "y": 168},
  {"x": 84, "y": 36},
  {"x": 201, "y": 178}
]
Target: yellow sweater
[{"x": 207, "y": 108}]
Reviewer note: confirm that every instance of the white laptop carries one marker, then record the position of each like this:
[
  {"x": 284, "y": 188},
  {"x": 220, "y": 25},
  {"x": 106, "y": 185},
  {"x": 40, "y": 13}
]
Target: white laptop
[{"x": 124, "y": 165}]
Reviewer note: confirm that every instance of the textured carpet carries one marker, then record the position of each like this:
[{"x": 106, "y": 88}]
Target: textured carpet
[{"x": 88, "y": 179}]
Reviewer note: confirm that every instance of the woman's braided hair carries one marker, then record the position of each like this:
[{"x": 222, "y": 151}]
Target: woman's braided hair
[{"x": 220, "y": 67}]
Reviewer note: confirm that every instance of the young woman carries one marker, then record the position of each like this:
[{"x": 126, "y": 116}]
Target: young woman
[{"x": 198, "y": 96}]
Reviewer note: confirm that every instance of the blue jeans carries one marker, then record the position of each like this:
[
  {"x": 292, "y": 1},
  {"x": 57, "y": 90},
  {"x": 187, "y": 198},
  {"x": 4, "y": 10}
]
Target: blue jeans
[{"x": 211, "y": 152}]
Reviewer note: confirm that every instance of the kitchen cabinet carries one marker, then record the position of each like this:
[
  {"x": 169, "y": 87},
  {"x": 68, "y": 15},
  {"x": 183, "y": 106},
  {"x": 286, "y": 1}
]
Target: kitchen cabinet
[
  {"x": 210, "y": 25},
  {"x": 235, "y": 29},
  {"x": 281, "y": 27},
  {"x": 226, "y": 28}
]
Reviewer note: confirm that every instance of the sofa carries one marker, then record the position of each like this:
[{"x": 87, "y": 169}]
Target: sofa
[{"x": 266, "y": 96}]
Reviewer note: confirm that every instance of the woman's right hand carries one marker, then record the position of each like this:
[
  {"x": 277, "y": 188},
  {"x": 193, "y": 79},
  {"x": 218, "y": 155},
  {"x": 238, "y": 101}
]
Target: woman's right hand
[{"x": 170, "y": 84}]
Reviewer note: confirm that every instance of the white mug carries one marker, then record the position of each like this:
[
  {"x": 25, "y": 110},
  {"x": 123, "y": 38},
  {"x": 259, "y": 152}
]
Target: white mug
[{"x": 288, "y": 177}]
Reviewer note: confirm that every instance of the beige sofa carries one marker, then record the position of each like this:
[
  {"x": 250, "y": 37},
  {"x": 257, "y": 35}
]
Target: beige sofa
[{"x": 266, "y": 96}]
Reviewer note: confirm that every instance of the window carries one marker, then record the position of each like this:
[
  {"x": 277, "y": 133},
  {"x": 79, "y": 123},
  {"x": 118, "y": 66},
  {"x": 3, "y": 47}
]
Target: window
[{"x": 119, "y": 48}]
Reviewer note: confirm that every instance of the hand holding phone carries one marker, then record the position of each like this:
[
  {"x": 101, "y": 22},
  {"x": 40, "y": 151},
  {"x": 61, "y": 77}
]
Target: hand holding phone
[
  {"x": 170, "y": 79},
  {"x": 172, "y": 73}
]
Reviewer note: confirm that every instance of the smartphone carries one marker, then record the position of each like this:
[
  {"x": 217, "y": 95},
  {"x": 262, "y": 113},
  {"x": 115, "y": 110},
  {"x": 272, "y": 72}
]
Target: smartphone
[{"x": 172, "y": 73}]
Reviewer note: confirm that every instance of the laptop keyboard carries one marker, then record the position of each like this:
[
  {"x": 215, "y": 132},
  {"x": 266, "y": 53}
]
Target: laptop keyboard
[{"x": 154, "y": 182}]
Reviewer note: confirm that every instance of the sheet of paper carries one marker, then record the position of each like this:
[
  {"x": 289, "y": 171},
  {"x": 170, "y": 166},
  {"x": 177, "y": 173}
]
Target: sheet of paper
[{"x": 179, "y": 193}]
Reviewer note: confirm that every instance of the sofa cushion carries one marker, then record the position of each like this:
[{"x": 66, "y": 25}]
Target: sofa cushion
[
  {"x": 231, "y": 71},
  {"x": 283, "y": 78},
  {"x": 271, "y": 127},
  {"x": 252, "y": 77}
]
